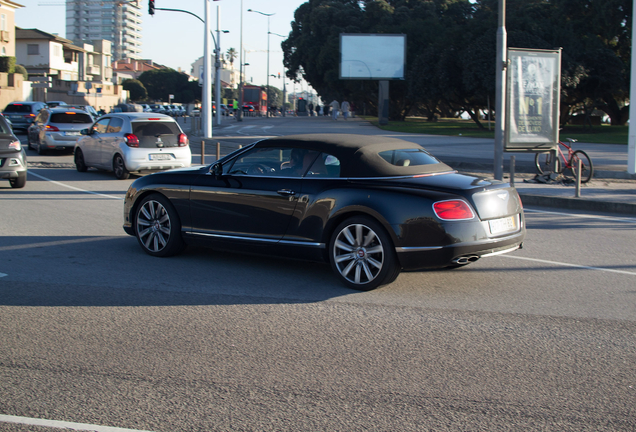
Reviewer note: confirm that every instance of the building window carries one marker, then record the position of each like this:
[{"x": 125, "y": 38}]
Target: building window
[
  {"x": 33, "y": 49},
  {"x": 3, "y": 22},
  {"x": 4, "y": 51}
]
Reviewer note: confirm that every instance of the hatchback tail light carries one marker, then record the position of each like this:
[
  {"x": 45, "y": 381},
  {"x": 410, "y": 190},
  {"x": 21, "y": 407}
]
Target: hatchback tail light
[
  {"x": 453, "y": 210},
  {"x": 183, "y": 140},
  {"x": 50, "y": 128},
  {"x": 131, "y": 140}
]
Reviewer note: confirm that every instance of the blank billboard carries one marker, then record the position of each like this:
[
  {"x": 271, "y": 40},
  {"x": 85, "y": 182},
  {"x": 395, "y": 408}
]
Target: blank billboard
[{"x": 372, "y": 56}]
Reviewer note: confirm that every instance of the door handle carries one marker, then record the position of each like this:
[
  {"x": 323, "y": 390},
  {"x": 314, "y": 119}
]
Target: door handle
[{"x": 286, "y": 192}]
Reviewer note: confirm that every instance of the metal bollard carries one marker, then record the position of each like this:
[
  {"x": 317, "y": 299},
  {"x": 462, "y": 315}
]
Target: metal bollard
[
  {"x": 512, "y": 171},
  {"x": 577, "y": 190},
  {"x": 203, "y": 152},
  {"x": 218, "y": 150}
]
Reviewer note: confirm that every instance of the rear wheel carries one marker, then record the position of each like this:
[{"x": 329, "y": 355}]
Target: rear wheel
[
  {"x": 19, "y": 182},
  {"x": 544, "y": 162},
  {"x": 80, "y": 163},
  {"x": 119, "y": 168},
  {"x": 157, "y": 227},
  {"x": 362, "y": 255},
  {"x": 587, "y": 170}
]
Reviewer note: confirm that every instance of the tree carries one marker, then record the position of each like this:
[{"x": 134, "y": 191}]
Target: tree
[
  {"x": 231, "y": 55},
  {"x": 161, "y": 83},
  {"x": 137, "y": 90}
]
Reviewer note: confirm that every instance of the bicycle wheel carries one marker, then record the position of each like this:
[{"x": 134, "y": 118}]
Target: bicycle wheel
[
  {"x": 587, "y": 170},
  {"x": 543, "y": 162}
]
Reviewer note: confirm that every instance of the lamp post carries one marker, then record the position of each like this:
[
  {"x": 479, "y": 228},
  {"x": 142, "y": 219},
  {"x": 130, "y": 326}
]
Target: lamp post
[
  {"x": 240, "y": 113},
  {"x": 284, "y": 89},
  {"x": 267, "y": 15}
]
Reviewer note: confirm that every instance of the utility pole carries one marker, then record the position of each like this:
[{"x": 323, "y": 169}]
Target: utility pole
[{"x": 207, "y": 77}]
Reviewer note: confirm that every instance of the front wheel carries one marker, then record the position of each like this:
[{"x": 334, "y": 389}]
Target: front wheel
[
  {"x": 157, "y": 227},
  {"x": 587, "y": 170},
  {"x": 361, "y": 254},
  {"x": 119, "y": 168},
  {"x": 544, "y": 162}
]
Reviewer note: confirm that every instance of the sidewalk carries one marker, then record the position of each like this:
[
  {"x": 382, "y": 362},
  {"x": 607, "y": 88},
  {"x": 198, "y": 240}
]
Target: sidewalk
[{"x": 612, "y": 189}]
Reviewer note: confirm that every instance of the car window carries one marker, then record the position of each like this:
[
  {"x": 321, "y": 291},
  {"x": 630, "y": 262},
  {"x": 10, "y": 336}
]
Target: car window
[
  {"x": 156, "y": 133},
  {"x": 115, "y": 125},
  {"x": 4, "y": 127},
  {"x": 408, "y": 157},
  {"x": 70, "y": 117},
  {"x": 101, "y": 125},
  {"x": 325, "y": 165},
  {"x": 273, "y": 162},
  {"x": 18, "y": 108}
]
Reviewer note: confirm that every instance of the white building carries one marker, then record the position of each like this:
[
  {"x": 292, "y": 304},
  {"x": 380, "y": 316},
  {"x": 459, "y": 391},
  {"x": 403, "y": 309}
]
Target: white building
[
  {"x": 229, "y": 77},
  {"x": 118, "y": 21}
]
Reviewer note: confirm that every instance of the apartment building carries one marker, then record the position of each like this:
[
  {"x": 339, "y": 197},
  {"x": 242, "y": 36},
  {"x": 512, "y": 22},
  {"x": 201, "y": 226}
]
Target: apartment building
[{"x": 118, "y": 21}]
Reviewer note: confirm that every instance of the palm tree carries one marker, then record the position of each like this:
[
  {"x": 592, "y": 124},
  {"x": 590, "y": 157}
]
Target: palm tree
[{"x": 231, "y": 56}]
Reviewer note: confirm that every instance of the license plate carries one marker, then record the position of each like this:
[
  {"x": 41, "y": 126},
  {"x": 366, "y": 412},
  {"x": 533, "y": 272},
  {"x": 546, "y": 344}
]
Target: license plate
[
  {"x": 160, "y": 157},
  {"x": 73, "y": 134},
  {"x": 15, "y": 117},
  {"x": 507, "y": 224}
]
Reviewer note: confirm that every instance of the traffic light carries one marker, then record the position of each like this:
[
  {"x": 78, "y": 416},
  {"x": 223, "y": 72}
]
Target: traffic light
[
  {"x": 278, "y": 75},
  {"x": 151, "y": 7}
]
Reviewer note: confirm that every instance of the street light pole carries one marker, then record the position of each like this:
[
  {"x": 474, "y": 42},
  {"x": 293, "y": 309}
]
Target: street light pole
[
  {"x": 207, "y": 76},
  {"x": 267, "y": 15},
  {"x": 284, "y": 89},
  {"x": 217, "y": 75},
  {"x": 240, "y": 108}
]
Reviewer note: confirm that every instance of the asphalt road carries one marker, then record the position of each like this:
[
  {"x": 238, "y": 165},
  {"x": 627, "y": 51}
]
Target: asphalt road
[{"x": 93, "y": 330}]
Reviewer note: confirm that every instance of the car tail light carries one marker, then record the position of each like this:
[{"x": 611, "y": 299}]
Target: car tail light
[
  {"x": 131, "y": 140},
  {"x": 50, "y": 128},
  {"x": 453, "y": 210},
  {"x": 183, "y": 140},
  {"x": 29, "y": 115}
]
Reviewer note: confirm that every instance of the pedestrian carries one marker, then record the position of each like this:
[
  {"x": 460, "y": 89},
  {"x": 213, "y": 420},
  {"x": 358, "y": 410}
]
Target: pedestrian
[
  {"x": 335, "y": 108},
  {"x": 345, "y": 109}
]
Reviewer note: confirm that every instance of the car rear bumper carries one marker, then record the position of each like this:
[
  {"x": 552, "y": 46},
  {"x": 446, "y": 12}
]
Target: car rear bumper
[{"x": 414, "y": 258}]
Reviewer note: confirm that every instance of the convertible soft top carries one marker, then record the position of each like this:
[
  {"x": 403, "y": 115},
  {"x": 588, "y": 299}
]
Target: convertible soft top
[{"x": 359, "y": 155}]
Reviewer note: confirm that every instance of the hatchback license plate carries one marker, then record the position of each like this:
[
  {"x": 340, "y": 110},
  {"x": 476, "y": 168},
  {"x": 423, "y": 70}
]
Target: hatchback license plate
[
  {"x": 507, "y": 224},
  {"x": 160, "y": 156}
]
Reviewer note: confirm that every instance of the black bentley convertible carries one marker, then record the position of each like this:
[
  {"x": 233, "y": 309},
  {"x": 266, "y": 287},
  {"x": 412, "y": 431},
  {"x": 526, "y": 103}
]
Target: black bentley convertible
[{"x": 370, "y": 206}]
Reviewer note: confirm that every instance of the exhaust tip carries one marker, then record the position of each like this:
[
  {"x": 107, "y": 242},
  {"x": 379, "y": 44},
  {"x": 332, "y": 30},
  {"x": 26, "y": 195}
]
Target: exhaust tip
[{"x": 465, "y": 259}]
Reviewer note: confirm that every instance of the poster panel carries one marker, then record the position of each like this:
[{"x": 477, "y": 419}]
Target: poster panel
[
  {"x": 532, "y": 120},
  {"x": 372, "y": 56}
]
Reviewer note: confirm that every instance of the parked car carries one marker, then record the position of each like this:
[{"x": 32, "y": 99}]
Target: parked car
[
  {"x": 158, "y": 108},
  {"x": 146, "y": 107},
  {"x": 53, "y": 104},
  {"x": 370, "y": 206},
  {"x": 13, "y": 159},
  {"x": 181, "y": 111},
  {"x": 22, "y": 114},
  {"x": 133, "y": 142},
  {"x": 57, "y": 128}
]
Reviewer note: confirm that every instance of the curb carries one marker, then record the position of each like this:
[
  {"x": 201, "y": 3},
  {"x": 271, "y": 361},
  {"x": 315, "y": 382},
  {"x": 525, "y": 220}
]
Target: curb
[{"x": 578, "y": 204}]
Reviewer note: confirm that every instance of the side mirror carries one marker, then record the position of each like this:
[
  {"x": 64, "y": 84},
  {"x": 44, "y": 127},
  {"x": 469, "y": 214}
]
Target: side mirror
[
  {"x": 217, "y": 170},
  {"x": 85, "y": 132}
]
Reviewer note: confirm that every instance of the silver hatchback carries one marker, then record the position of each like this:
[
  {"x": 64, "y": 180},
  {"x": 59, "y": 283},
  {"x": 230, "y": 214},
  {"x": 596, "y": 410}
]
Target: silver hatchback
[
  {"x": 133, "y": 142},
  {"x": 57, "y": 128}
]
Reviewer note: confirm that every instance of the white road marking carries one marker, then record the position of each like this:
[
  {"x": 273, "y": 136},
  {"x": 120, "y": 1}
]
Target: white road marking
[
  {"x": 73, "y": 187},
  {"x": 3, "y": 274},
  {"x": 63, "y": 424},
  {"x": 556, "y": 263},
  {"x": 617, "y": 219}
]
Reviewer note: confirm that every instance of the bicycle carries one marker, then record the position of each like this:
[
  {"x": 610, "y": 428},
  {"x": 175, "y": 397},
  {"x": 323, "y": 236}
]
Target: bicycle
[{"x": 544, "y": 162}]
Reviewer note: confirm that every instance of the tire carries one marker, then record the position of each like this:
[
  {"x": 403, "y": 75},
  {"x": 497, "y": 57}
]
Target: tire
[
  {"x": 119, "y": 168},
  {"x": 157, "y": 227},
  {"x": 80, "y": 163},
  {"x": 362, "y": 255},
  {"x": 543, "y": 163},
  {"x": 19, "y": 182},
  {"x": 587, "y": 169}
]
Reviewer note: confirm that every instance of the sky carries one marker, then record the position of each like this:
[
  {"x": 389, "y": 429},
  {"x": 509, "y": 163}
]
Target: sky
[{"x": 175, "y": 39}]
